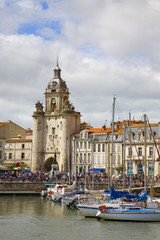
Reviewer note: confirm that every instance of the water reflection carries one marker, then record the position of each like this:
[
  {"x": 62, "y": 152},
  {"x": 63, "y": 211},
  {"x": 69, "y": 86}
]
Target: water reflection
[
  {"x": 36, "y": 218},
  {"x": 10, "y": 205}
]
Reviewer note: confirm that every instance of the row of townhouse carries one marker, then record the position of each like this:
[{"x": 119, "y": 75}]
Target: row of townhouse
[{"x": 91, "y": 148}]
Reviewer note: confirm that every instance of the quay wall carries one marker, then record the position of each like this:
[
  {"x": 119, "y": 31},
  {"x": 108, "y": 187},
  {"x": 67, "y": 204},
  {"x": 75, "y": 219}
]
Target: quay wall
[
  {"x": 12, "y": 186},
  {"x": 37, "y": 187},
  {"x": 28, "y": 186}
]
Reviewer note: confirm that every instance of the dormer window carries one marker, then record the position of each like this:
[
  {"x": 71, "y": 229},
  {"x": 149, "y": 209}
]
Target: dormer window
[
  {"x": 139, "y": 137},
  {"x": 150, "y": 136}
]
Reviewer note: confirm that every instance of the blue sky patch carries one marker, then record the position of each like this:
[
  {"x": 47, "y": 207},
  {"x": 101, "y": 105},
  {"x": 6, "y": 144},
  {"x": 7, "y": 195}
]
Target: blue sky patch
[
  {"x": 44, "y": 5},
  {"x": 36, "y": 28},
  {"x": 9, "y": 3},
  {"x": 90, "y": 50}
]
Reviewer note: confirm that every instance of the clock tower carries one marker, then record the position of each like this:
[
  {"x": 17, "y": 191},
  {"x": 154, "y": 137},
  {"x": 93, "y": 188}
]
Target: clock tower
[{"x": 53, "y": 127}]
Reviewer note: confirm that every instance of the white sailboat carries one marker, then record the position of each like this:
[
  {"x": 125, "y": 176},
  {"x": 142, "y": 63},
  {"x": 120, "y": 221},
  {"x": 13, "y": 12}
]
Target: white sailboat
[{"x": 130, "y": 214}]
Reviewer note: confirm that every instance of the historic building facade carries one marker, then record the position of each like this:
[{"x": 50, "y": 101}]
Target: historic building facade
[
  {"x": 18, "y": 151},
  {"x": 91, "y": 148},
  {"x": 10, "y": 130},
  {"x": 53, "y": 126}
]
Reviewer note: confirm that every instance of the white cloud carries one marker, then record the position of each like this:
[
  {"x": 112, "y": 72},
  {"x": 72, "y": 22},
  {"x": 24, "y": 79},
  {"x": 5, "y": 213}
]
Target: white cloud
[{"x": 104, "y": 47}]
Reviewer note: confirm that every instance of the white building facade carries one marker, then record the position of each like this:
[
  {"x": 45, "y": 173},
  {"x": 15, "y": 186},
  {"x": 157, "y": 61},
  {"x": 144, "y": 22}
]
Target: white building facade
[
  {"x": 91, "y": 148},
  {"x": 18, "y": 151}
]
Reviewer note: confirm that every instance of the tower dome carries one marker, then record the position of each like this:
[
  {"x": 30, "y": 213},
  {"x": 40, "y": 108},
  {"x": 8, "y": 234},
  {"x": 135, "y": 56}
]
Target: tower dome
[{"x": 56, "y": 81}]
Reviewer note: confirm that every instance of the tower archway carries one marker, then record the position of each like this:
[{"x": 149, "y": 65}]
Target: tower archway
[{"x": 47, "y": 164}]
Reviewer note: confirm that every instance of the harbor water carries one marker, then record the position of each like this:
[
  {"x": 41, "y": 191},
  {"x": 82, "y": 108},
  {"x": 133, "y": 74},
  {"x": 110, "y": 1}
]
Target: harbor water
[{"x": 32, "y": 217}]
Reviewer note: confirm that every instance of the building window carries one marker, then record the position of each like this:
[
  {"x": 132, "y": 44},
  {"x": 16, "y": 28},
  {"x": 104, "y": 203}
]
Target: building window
[
  {"x": 10, "y": 155},
  {"x": 94, "y": 147},
  {"x": 140, "y": 151},
  {"x": 89, "y": 145},
  {"x": 89, "y": 158},
  {"x": 23, "y": 146},
  {"x": 103, "y": 159},
  {"x": 10, "y": 146},
  {"x": 128, "y": 168},
  {"x": 81, "y": 160},
  {"x": 118, "y": 147},
  {"x": 150, "y": 169},
  {"x": 85, "y": 145},
  {"x": 99, "y": 147},
  {"x": 77, "y": 144},
  {"x": 53, "y": 130},
  {"x": 0, "y": 143},
  {"x": 0, "y": 154},
  {"x": 150, "y": 151},
  {"x": 85, "y": 157},
  {"x": 80, "y": 144},
  {"x": 150, "y": 136},
  {"x": 22, "y": 155},
  {"x": 98, "y": 159},
  {"x": 77, "y": 158},
  {"x": 103, "y": 147},
  {"x": 119, "y": 159},
  {"x": 130, "y": 152}
]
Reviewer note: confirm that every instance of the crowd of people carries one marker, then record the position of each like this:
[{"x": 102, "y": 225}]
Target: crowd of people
[{"x": 41, "y": 177}]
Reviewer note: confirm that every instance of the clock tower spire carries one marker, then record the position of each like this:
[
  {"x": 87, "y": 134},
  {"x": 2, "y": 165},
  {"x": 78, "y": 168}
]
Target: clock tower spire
[{"x": 58, "y": 122}]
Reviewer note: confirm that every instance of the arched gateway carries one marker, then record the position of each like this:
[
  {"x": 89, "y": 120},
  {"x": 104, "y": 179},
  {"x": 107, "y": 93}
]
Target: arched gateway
[{"x": 47, "y": 164}]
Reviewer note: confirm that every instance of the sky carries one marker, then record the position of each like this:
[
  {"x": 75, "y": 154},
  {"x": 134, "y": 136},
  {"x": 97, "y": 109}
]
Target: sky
[{"x": 106, "y": 49}]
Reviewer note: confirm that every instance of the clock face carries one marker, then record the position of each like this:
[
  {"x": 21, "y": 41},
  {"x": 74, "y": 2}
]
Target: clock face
[{"x": 53, "y": 100}]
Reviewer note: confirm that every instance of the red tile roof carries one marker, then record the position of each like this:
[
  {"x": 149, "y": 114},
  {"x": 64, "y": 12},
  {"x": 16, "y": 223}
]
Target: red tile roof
[
  {"x": 18, "y": 140},
  {"x": 3, "y": 123}
]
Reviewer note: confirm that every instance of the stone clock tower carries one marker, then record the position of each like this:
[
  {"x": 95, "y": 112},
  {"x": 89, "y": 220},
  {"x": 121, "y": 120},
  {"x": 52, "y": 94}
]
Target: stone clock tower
[{"x": 52, "y": 127}]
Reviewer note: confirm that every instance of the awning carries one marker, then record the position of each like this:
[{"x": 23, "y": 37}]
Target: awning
[{"x": 96, "y": 169}]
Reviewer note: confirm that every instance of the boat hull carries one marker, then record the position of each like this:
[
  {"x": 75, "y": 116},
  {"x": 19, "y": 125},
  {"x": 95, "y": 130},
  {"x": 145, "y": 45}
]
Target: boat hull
[
  {"x": 86, "y": 211},
  {"x": 90, "y": 210},
  {"x": 139, "y": 216}
]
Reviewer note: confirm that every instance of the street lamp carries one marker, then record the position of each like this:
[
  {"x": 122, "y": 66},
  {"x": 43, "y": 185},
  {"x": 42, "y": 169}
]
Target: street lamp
[{"x": 54, "y": 163}]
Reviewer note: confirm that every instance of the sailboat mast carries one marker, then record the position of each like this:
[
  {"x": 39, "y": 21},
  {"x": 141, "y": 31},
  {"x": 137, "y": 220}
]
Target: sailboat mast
[
  {"x": 124, "y": 155},
  {"x": 130, "y": 154},
  {"x": 108, "y": 163},
  {"x": 145, "y": 163},
  {"x": 113, "y": 109}
]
